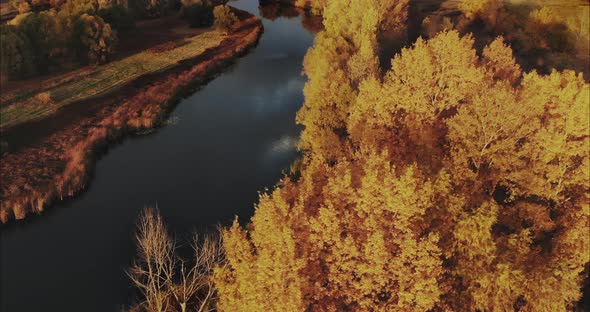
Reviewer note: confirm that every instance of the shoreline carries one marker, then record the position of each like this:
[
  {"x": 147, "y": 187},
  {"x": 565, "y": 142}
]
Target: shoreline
[{"x": 61, "y": 164}]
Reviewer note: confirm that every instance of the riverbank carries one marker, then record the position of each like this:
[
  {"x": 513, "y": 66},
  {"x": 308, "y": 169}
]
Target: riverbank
[{"x": 60, "y": 165}]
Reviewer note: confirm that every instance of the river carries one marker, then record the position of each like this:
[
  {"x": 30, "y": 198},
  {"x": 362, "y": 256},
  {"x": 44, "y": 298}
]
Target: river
[{"x": 225, "y": 143}]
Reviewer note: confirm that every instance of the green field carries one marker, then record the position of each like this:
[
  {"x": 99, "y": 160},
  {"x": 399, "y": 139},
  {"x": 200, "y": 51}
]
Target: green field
[{"x": 26, "y": 105}]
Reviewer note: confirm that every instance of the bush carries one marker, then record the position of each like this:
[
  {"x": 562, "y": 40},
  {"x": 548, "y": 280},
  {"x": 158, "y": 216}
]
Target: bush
[
  {"x": 199, "y": 13},
  {"x": 16, "y": 60},
  {"x": 94, "y": 40},
  {"x": 32, "y": 41},
  {"x": 225, "y": 19},
  {"x": 43, "y": 98}
]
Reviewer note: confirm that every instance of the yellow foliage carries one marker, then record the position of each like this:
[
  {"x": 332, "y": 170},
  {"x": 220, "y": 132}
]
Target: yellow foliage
[
  {"x": 555, "y": 159},
  {"x": 487, "y": 207},
  {"x": 473, "y": 8},
  {"x": 500, "y": 63},
  {"x": 347, "y": 237},
  {"x": 343, "y": 55}
]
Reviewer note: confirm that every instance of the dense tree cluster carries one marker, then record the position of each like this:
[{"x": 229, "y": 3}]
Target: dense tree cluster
[
  {"x": 86, "y": 29},
  {"x": 453, "y": 181},
  {"x": 16, "y": 59},
  {"x": 335, "y": 73}
]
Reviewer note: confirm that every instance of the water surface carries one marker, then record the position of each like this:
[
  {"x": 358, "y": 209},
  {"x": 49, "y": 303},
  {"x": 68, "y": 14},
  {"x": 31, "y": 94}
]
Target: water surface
[{"x": 223, "y": 145}]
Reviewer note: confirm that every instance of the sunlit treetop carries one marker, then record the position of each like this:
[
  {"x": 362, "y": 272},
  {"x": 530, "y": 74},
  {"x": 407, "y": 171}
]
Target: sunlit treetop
[{"x": 453, "y": 181}]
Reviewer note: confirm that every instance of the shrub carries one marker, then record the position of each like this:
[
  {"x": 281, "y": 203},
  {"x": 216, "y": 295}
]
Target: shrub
[
  {"x": 43, "y": 98},
  {"x": 225, "y": 19},
  {"x": 56, "y": 3},
  {"x": 547, "y": 30},
  {"x": 94, "y": 40},
  {"x": 15, "y": 3},
  {"x": 199, "y": 13}
]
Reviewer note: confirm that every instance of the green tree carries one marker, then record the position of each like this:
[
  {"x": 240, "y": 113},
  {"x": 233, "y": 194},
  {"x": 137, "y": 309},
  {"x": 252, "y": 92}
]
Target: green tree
[
  {"x": 95, "y": 40},
  {"x": 42, "y": 31},
  {"x": 16, "y": 60}
]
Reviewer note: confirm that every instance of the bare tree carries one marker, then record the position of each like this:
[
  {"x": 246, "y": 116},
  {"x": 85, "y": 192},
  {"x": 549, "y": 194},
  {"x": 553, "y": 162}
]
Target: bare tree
[
  {"x": 196, "y": 284},
  {"x": 156, "y": 264},
  {"x": 167, "y": 282}
]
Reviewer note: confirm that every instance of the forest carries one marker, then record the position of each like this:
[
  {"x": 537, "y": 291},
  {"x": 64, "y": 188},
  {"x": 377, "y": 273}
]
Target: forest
[{"x": 449, "y": 174}]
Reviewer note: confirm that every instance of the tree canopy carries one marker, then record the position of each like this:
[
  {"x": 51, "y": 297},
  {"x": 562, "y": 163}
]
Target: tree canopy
[{"x": 453, "y": 181}]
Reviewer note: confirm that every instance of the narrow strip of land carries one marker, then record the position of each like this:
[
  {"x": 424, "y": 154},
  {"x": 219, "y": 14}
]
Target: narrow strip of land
[{"x": 35, "y": 102}]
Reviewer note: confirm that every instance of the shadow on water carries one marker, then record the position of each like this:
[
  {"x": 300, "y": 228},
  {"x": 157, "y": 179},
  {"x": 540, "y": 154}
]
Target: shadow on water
[{"x": 228, "y": 141}]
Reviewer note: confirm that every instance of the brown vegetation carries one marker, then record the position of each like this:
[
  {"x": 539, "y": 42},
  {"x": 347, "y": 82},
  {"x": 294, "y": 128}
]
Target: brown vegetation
[{"x": 59, "y": 165}]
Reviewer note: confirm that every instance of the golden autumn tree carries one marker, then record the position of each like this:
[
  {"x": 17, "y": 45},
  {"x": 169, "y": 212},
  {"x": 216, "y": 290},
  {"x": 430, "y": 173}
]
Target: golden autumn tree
[
  {"x": 343, "y": 55},
  {"x": 351, "y": 237},
  {"x": 427, "y": 81},
  {"x": 451, "y": 182},
  {"x": 473, "y": 8}
]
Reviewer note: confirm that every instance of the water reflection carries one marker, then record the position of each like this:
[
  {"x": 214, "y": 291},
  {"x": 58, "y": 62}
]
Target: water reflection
[{"x": 312, "y": 23}]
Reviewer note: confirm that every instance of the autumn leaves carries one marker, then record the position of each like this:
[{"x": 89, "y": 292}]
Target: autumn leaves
[{"x": 450, "y": 182}]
